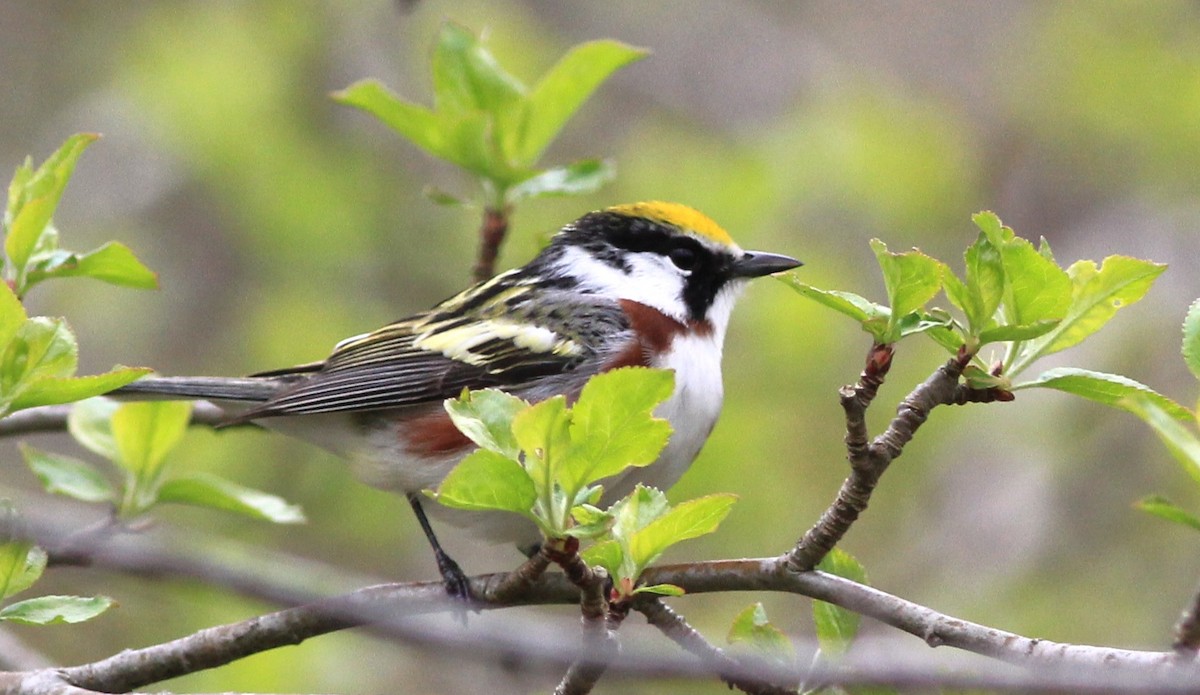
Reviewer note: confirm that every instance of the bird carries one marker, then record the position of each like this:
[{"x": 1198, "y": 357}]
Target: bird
[{"x": 648, "y": 284}]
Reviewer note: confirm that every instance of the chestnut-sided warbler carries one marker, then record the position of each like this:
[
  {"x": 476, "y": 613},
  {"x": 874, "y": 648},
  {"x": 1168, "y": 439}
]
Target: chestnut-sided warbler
[{"x": 649, "y": 284}]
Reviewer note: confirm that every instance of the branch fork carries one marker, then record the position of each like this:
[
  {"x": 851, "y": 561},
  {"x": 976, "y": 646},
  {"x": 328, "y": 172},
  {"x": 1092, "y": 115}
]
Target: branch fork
[{"x": 869, "y": 458}]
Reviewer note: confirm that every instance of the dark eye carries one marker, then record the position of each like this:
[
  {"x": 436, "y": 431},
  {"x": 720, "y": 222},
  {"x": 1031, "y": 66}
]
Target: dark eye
[{"x": 683, "y": 258}]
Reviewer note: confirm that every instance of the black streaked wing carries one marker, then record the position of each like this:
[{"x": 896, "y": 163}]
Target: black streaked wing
[{"x": 430, "y": 357}]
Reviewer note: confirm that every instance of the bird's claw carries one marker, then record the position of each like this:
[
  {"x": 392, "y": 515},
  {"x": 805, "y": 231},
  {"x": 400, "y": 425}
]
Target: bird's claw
[{"x": 458, "y": 586}]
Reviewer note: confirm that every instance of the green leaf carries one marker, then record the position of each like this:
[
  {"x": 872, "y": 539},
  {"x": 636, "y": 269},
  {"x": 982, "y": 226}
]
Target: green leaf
[
  {"x": 36, "y": 203},
  {"x": 631, "y": 514},
  {"x": 687, "y": 520},
  {"x": 1097, "y": 294},
  {"x": 606, "y": 554},
  {"x": 42, "y": 347},
  {"x": 63, "y": 475},
  {"x": 486, "y": 417},
  {"x": 858, "y": 308},
  {"x": 543, "y": 433},
  {"x": 467, "y": 77},
  {"x": 589, "y": 514},
  {"x": 578, "y": 178},
  {"x": 978, "y": 378},
  {"x": 203, "y": 490},
  {"x": 911, "y": 278},
  {"x": 1038, "y": 290},
  {"x": 18, "y": 188},
  {"x": 751, "y": 627},
  {"x": 589, "y": 495},
  {"x": 1110, "y": 389},
  {"x": 21, "y": 564},
  {"x": 989, "y": 223},
  {"x": 921, "y": 322},
  {"x": 1165, "y": 509},
  {"x": 415, "y": 123},
  {"x": 113, "y": 263},
  {"x": 486, "y": 479},
  {"x": 1191, "y": 338},
  {"x": 636, "y": 510},
  {"x": 47, "y": 610},
  {"x": 660, "y": 590},
  {"x": 613, "y": 426},
  {"x": 56, "y": 390},
  {"x": 981, "y": 294},
  {"x": 1000, "y": 334},
  {"x": 26, "y": 231},
  {"x": 562, "y": 90},
  {"x": 836, "y": 626},
  {"x": 469, "y": 144},
  {"x": 90, "y": 423},
  {"x": 591, "y": 530},
  {"x": 1182, "y": 443},
  {"x": 12, "y": 315},
  {"x": 144, "y": 433},
  {"x": 947, "y": 337}
]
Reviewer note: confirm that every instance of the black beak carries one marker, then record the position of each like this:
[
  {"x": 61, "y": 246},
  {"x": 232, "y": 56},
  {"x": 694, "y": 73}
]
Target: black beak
[{"x": 756, "y": 264}]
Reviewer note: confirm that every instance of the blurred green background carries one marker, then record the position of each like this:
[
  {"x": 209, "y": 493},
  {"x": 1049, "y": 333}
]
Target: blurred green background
[{"x": 281, "y": 222}]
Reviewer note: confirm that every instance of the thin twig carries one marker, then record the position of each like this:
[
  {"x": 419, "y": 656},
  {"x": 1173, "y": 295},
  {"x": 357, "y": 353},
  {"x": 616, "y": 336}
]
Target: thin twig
[
  {"x": 679, "y": 631},
  {"x": 53, "y": 418},
  {"x": 491, "y": 237},
  {"x": 600, "y": 644},
  {"x": 517, "y": 582},
  {"x": 869, "y": 460}
]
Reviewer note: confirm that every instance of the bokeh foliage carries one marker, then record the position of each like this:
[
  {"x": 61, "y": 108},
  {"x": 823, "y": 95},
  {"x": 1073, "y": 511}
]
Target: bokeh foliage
[{"x": 281, "y": 222}]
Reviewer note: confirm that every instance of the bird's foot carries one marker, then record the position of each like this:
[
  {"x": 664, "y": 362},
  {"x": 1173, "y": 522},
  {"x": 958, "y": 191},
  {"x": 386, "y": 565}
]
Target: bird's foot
[{"x": 458, "y": 586}]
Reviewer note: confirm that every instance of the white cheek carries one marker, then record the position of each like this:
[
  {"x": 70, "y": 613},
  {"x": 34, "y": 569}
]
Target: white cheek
[{"x": 652, "y": 279}]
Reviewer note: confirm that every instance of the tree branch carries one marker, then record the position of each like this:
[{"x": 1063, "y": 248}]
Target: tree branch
[
  {"x": 600, "y": 645},
  {"x": 869, "y": 460},
  {"x": 381, "y": 605},
  {"x": 1187, "y": 630},
  {"x": 491, "y": 237},
  {"x": 679, "y": 631}
]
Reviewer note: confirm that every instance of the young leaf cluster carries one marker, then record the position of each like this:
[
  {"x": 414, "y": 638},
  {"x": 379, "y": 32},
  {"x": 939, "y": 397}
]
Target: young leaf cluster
[
  {"x": 644, "y": 526},
  {"x": 22, "y": 564},
  {"x": 31, "y": 252},
  {"x": 39, "y": 355},
  {"x": 137, "y": 439},
  {"x": 1012, "y": 294},
  {"x": 543, "y": 461},
  {"x": 491, "y": 124},
  {"x": 547, "y": 462}
]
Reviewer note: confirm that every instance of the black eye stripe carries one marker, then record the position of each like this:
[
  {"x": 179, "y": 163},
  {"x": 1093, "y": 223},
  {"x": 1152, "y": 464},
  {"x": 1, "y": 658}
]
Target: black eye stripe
[{"x": 611, "y": 237}]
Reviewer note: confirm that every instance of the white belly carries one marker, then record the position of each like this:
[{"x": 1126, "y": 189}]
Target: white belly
[{"x": 692, "y": 411}]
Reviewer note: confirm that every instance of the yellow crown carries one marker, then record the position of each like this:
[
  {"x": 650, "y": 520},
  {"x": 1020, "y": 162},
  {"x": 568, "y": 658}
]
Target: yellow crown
[{"x": 677, "y": 215}]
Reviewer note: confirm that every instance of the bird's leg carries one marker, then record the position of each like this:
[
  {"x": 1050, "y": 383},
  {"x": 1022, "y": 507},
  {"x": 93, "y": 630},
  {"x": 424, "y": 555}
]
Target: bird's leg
[{"x": 453, "y": 577}]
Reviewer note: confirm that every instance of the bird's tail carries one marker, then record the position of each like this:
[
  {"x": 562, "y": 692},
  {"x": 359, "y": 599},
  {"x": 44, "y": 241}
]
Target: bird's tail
[{"x": 243, "y": 389}]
